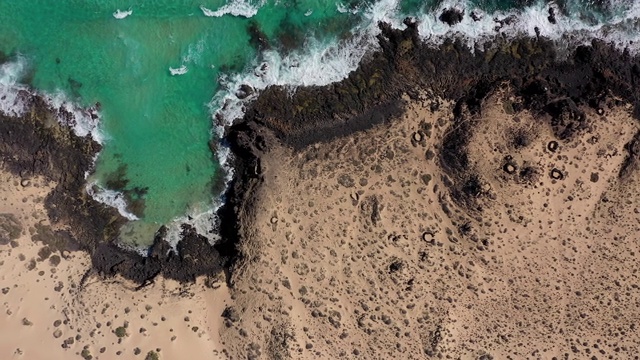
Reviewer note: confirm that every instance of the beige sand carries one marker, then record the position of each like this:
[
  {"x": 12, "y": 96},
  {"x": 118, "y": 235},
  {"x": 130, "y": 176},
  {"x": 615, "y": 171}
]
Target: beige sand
[
  {"x": 357, "y": 250},
  {"x": 49, "y": 312}
]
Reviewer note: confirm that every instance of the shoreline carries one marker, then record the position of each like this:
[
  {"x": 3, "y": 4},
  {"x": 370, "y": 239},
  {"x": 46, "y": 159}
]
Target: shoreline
[
  {"x": 298, "y": 160},
  {"x": 36, "y": 144},
  {"x": 434, "y": 163},
  {"x": 52, "y": 295},
  {"x": 369, "y": 96}
]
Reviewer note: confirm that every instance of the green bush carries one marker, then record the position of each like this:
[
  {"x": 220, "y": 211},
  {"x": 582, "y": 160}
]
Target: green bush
[
  {"x": 152, "y": 355},
  {"x": 121, "y": 332}
]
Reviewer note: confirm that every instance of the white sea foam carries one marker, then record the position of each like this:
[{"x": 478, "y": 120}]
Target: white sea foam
[
  {"x": 11, "y": 101},
  {"x": 317, "y": 64},
  {"x": 83, "y": 121},
  {"x": 621, "y": 29},
  {"x": 109, "y": 197},
  {"x": 178, "y": 71},
  {"x": 15, "y": 98},
  {"x": 15, "y": 101},
  {"x": 240, "y": 8},
  {"x": 121, "y": 14},
  {"x": 194, "y": 52},
  {"x": 343, "y": 9},
  {"x": 322, "y": 63},
  {"x": 205, "y": 222}
]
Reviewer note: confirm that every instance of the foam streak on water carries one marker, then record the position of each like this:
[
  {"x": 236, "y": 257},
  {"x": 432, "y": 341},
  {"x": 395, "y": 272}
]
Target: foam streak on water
[
  {"x": 178, "y": 71},
  {"x": 121, "y": 14},
  {"x": 234, "y": 8}
]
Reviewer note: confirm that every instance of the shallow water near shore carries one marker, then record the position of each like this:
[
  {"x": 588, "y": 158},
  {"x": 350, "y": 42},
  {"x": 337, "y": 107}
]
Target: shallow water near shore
[
  {"x": 154, "y": 69},
  {"x": 153, "y": 73}
]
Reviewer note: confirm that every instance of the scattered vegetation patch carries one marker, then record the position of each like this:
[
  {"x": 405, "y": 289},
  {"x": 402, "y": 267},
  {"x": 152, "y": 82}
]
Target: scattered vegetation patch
[{"x": 121, "y": 332}]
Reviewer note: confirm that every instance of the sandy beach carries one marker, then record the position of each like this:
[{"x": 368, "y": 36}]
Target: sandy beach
[{"x": 55, "y": 307}]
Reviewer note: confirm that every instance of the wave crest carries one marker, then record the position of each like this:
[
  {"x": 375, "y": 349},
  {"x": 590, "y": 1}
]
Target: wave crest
[
  {"x": 234, "y": 8},
  {"x": 121, "y": 14}
]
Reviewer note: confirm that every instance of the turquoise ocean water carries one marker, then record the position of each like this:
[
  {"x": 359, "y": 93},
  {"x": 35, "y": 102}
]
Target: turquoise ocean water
[{"x": 160, "y": 69}]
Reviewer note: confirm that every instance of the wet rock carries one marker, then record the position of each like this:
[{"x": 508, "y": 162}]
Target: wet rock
[
  {"x": 244, "y": 91},
  {"x": 451, "y": 16},
  {"x": 194, "y": 256},
  {"x": 552, "y": 15},
  {"x": 511, "y": 19}
]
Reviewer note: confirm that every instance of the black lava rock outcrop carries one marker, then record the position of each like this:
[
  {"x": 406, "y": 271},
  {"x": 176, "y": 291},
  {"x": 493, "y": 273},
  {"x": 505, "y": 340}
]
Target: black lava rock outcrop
[{"x": 451, "y": 16}]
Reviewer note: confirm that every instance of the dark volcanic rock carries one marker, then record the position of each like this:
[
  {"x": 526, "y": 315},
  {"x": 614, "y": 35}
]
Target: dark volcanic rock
[
  {"x": 244, "y": 91},
  {"x": 476, "y": 15},
  {"x": 37, "y": 145},
  {"x": 552, "y": 15},
  {"x": 10, "y": 228},
  {"x": 630, "y": 163},
  {"x": 257, "y": 38},
  {"x": 549, "y": 84},
  {"x": 247, "y": 142},
  {"x": 194, "y": 256},
  {"x": 451, "y": 16}
]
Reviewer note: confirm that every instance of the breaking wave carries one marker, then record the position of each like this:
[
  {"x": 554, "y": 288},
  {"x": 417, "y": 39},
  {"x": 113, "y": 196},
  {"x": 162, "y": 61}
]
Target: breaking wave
[
  {"x": 321, "y": 63},
  {"x": 12, "y": 102},
  {"x": 178, "y": 71},
  {"x": 121, "y": 14},
  {"x": 234, "y": 8},
  {"x": 16, "y": 98}
]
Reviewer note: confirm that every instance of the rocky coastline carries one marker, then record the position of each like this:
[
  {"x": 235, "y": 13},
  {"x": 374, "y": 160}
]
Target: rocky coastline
[
  {"x": 37, "y": 145},
  {"x": 596, "y": 75},
  {"x": 440, "y": 202},
  {"x": 546, "y": 81}
]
